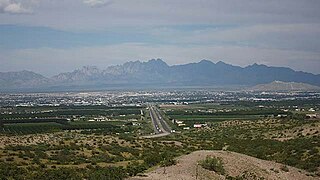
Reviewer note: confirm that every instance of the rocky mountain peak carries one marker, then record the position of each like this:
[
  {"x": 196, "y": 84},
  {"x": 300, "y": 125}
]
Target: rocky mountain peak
[
  {"x": 88, "y": 70},
  {"x": 204, "y": 61},
  {"x": 157, "y": 62}
]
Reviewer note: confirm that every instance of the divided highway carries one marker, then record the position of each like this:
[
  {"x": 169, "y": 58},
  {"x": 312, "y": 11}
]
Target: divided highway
[{"x": 160, "y": 126}]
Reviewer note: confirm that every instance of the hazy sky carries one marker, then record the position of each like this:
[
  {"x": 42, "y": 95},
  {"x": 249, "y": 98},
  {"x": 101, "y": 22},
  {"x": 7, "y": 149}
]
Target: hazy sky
[{"x": 53, "y": 36}]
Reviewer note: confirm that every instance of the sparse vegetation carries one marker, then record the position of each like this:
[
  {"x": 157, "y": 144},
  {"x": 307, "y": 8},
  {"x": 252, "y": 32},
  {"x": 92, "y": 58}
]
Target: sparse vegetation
[
  {"x": 114, "y": 149},
  {"x": 284, "y": 168},
  {"x": 213, "y": 164}
]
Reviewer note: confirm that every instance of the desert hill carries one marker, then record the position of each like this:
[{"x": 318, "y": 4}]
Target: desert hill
[{"x": 235, "y": 164}]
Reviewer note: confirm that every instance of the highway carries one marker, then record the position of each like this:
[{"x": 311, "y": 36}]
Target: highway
[
  {"x": 160, "y": 126},
  {"x": 163, "y": 123}
]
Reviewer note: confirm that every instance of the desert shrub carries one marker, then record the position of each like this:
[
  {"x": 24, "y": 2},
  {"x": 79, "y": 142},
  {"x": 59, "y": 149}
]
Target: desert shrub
[
  {"x": 106, "y": 173},
  {"x": 135, "y": 168},
  {"x": 284, "y": 168},
  {"x": 213, "y": 164},
  {"x": 244, "y": 176},
  {"x": 60, "y": 173},
  {"x": 168, "y": 162}
]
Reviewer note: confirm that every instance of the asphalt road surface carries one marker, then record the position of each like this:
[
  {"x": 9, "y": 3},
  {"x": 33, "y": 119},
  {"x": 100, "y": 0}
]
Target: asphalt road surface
[{"x": 160, "y": 126}]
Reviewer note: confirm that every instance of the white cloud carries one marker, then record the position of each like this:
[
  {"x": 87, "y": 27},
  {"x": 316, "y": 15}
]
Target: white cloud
[
  {"x": 64, "y": 14},
  {"x": 14, "y": 7},
  {"x": 97, "y": 3}
]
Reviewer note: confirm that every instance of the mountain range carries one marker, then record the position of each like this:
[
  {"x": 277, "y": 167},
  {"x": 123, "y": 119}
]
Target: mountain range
[
  {"x": 156, "y": 73},
  {"x": 284, "y": 86}
]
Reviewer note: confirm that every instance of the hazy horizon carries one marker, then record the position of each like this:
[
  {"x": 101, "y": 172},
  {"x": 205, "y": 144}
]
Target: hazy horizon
[{"x": 142, "y": 61}]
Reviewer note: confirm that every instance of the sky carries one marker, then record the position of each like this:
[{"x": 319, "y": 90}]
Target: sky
[{"x": 54, "y": 36}]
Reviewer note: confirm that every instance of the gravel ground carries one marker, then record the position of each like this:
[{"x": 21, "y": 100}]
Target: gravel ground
[{"x": 235, "y": 164}]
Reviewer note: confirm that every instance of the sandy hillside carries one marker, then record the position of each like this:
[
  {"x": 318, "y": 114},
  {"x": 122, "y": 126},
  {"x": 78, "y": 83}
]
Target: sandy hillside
[{"x": 235, "y": 164}]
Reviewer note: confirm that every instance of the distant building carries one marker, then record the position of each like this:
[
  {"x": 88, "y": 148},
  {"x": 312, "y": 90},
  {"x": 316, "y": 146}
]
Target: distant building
[
  {"x": 136, "y": 124},
  {"x": 199, "y": 125},
  {"x": 312, "y": 116},
  {"x": 311, "y": 110},
  {"x": 282, "y": 115},
  {"x": 180, "y": 123}
]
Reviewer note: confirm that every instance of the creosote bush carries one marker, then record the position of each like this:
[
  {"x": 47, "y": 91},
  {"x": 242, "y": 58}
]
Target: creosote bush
[{"x": 213, "y": 164}]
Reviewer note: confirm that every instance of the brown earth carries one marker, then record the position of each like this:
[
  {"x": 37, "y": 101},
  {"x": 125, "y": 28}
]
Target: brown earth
[{"x": 235, "y": 164}]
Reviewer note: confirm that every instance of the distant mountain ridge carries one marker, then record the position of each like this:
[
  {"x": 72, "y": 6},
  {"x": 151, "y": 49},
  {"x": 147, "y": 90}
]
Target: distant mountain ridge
[
  {"x": 284, "y": 86},
  {"x": 86, "y": 73},
  {"x": 21, "y": 79},
  {"x": 157, "y": 73}
]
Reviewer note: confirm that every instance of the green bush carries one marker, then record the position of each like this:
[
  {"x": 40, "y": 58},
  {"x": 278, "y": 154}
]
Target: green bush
[
  {"x": 213, "y": 164},
  {"x": 135, "y": 168},
  {"x": 168, "y": 162},
  {"x": 106, "y": 173}
]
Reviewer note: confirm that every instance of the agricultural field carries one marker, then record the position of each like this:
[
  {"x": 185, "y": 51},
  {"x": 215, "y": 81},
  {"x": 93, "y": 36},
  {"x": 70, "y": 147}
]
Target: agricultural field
[
  {"x": 103, "y": 142},
  {"x": 208, "y": 113},
  {"x": 30, "y": 120}
]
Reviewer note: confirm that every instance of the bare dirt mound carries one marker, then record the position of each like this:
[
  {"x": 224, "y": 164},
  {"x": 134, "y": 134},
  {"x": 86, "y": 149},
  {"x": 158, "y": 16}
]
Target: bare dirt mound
[{"x": 235, "y": 164}]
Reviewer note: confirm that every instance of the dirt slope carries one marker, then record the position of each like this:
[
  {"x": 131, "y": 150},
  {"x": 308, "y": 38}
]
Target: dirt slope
[{"x": 235, "y": 164}]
